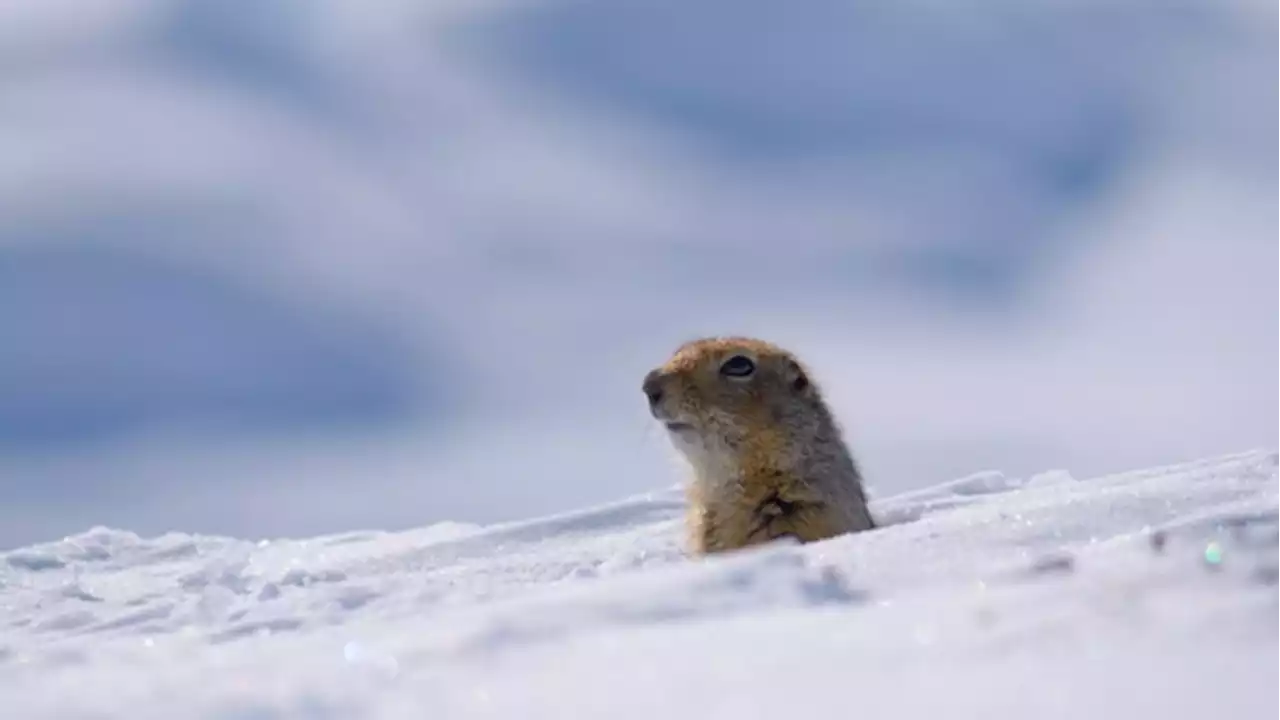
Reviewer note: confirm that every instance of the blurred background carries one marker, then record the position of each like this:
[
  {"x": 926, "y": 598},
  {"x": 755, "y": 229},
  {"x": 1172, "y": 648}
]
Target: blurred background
[{"x": 282, "y": 267}]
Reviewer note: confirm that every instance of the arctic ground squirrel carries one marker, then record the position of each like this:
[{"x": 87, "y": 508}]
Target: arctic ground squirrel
[{"x": 768, "y": 457}]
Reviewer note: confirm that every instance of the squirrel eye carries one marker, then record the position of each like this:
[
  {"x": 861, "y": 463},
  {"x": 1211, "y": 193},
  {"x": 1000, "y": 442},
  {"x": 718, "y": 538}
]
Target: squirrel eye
[{"x": 737, "y": 366}]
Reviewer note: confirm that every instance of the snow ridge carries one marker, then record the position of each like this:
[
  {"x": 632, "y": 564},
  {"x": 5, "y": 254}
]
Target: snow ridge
[{"x": 1041, "y": 590}]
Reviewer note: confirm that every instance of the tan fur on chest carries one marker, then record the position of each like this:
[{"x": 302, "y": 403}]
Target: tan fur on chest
[{"x": 754, "y": 510}]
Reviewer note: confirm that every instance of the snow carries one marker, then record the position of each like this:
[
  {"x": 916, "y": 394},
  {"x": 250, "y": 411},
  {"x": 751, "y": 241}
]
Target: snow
[{"x": 1141, "y": 594}]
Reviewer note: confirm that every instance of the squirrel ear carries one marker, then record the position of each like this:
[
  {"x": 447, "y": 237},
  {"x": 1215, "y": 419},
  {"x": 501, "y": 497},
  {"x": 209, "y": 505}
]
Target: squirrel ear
[{"x": 799, "y": 380}]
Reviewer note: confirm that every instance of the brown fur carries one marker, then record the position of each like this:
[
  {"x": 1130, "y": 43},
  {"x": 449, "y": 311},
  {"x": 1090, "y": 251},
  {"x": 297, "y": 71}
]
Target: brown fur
[{"x": 767, "y": 454}]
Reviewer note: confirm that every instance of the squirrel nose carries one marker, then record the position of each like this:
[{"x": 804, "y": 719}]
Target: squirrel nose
[{"x": 653, "y": 387}]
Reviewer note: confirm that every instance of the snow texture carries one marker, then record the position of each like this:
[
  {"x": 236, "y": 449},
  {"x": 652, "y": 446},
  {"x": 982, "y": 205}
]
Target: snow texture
[{"x": 1148, "y": 594}]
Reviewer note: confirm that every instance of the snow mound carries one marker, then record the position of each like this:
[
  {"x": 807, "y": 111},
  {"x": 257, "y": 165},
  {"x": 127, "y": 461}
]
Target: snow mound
[{"x": 1140, "y": 594}]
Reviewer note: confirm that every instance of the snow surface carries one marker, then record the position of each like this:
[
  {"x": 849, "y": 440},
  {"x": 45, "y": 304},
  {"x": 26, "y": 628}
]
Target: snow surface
[{"x": 1148, "y": 594}]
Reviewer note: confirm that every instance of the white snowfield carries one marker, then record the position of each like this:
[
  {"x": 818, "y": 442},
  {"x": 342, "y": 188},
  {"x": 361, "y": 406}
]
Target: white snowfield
[{"x": 1147, "y": 594}]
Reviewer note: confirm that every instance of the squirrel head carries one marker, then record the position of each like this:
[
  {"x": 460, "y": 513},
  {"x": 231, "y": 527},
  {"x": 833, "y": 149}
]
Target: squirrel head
[{"x": 720, "y": 397}]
